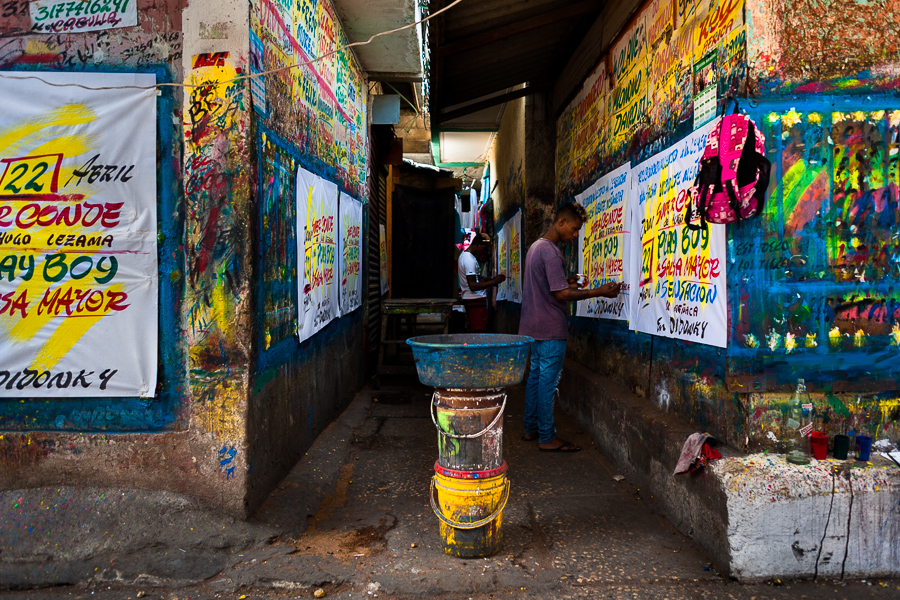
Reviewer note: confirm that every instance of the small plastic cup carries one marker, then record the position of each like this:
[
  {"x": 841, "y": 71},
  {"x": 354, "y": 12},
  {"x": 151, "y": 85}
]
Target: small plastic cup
[
  {"x": 863, "y": 447},
  {"x": 841, "y": 446},
  {"x": 818, "y": 442}
]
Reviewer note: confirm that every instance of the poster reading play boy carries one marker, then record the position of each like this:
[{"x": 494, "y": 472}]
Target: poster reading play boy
[
  {"x": 604, "y": 244},
  {"x": 681, "y": 288},
  {"x": 78, "y": 248},
  {"x": 317, "y": 253}
]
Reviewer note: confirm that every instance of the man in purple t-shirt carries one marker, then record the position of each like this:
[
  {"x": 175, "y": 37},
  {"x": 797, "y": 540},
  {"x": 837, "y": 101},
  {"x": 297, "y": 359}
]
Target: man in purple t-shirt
[{"x": 545, "y": 299}]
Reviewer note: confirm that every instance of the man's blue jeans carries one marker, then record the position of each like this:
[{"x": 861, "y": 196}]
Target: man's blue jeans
[{"x": 540, "y": 392}]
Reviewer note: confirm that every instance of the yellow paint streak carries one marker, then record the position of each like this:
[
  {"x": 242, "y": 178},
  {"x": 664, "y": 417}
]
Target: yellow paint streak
[
  {"x": 791, "y": 118},
  {"x": 66, "y": 336},
  {"x": 834, "y": 336},
  {"x": 220, "y": 416},
  {"x": 31, "y": 132}
]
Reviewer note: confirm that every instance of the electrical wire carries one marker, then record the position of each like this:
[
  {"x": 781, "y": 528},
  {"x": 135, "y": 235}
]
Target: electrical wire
[{"x": 239, "y": 77}]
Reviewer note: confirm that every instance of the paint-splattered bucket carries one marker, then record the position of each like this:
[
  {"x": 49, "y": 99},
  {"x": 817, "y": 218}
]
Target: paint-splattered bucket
[
  {"x": 471, "y": 513},
  {"x": 470, "y": 428},
  {"x": 471, "y": 360}
]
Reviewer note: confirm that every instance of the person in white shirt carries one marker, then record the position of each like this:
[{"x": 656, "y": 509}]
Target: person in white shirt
[{"x": 473, "y": 287}]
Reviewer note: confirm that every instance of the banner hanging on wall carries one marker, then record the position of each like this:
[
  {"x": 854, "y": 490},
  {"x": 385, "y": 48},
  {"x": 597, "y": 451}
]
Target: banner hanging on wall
[
  {"x": 681, "y": 291},
  {"x": 514, "y": 275},
  {"x": 78, "y": 247},
  {"x": 351, "y": 254},
  {"x": 317, "y": 253},
  {"x": 604, "y": 242},
  {"x": 503, "y": 262}
]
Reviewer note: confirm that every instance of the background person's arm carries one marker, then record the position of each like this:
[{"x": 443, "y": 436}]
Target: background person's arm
[
  {"x": 477, "y": 286},
  {"x": 573, "y": 294}
]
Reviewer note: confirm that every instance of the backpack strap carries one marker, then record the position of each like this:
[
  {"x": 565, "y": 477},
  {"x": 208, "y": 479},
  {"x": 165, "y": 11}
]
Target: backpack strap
[
  {"x": 703, "y": 192},
  {"x": 748, "y": 152}
]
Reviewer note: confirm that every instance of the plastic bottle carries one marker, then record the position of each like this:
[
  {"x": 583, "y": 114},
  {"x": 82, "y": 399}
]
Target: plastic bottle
[{"x": 798, "y": 427}]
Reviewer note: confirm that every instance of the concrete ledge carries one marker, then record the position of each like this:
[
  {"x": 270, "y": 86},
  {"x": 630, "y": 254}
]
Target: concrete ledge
[{"x": 757, "y": 516}]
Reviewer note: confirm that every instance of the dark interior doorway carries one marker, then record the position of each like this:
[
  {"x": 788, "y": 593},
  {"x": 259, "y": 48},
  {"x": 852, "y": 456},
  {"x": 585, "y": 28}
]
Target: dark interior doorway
[{"x": 422, "y": 247}]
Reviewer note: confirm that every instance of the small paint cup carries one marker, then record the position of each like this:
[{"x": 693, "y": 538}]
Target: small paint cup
[
  {"x": 863, "y": 447},
  {"x": 841, "y": 446},
  {"x": 818, "y": 442}
]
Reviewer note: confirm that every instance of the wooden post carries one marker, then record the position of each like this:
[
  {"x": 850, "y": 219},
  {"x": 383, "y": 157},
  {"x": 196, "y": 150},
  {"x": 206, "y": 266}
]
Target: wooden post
[{"x": 389, "y": 218}]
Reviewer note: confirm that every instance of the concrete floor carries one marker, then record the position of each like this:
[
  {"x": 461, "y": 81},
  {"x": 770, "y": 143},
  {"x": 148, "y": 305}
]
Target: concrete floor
[{"x": 353, "y": 519}]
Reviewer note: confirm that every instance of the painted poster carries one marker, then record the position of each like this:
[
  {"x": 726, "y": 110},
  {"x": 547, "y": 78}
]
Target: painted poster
[
  {"x": 78, "y": 248},
  {"x": 514, "y": 275},
  {"x": 705, "y": 87},
  {"x": 713, "y": 26},
  {"x": 351, "y": 254},
  {"x": 326, "y": 100},
  {"x": 502, "y": 251},
  {"x": 581, "y": 130},
  {"x": 669, "y": 80},
  {"x": 629, "y": 103},
  {"x": 681, "y": 290},
  {"x": 317, "y": 220},
  {"x": 65, "y": 16},
  {"x": 604, "y": 243},
  {"x": 629, "y": 52},
  {"x": 382, "y": 258},
  {"x": 660, "y": 21}
]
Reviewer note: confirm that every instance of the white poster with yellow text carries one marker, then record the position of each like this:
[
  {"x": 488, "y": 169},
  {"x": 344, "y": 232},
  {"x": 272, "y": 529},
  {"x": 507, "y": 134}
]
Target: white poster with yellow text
[
  {"x": 351, "y": 254},
  {"x": 78, "y": 246},
  {"x": 680, "y": 291},
  {"x": 317, "y": 253}
]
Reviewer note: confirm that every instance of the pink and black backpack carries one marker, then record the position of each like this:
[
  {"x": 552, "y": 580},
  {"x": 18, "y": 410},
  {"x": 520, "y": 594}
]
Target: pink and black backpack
[{"x": 734, "y": 174}]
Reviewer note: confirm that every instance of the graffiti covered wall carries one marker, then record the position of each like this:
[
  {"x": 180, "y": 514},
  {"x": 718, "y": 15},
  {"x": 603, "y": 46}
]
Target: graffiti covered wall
[
  {"x": 811, "y": 284},
  {"x": 311, "y": 119},
  {"x": 67, "y": 441}
]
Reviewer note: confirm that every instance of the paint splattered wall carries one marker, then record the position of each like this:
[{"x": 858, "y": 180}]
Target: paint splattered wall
[
  {"x": 833, "y": 46},
  {"x": 186, "y": 439},
  {"x": 312, "y": 117},
  {"x": 320, "y": 107},
  {"x": 638, "y": 99},
  {"x": 812, "y": 283}
]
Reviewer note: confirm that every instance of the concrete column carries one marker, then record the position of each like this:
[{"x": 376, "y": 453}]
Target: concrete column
[
  {"x": 219, "y": 238},
  {"x": 540, "y": 166}
]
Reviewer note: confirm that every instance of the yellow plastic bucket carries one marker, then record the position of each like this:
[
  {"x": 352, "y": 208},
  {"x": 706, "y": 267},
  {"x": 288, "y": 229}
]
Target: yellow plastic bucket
[{"x": 471, "y": 513}]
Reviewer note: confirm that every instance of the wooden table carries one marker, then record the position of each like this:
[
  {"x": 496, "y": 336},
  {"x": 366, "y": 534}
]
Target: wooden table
[{"x": 407, "y": 309}]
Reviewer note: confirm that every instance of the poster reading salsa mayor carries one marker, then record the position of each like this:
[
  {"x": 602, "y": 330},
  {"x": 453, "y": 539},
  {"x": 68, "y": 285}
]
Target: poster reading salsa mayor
[{"x": 78, "y": 258}]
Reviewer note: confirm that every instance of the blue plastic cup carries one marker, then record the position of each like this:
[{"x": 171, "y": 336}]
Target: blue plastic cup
[{"x": 863, "y": 447}]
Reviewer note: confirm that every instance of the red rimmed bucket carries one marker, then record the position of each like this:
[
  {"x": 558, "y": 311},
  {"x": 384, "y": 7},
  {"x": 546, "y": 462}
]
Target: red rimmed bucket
[{"x": 470, "y": 474}]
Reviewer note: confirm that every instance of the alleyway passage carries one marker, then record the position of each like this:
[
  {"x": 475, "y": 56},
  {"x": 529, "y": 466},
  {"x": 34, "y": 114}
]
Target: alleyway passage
[{"x": 353, "y": 519}]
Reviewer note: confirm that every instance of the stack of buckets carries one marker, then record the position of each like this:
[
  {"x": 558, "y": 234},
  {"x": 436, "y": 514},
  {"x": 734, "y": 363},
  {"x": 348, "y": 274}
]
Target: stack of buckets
[{"x": 469, "y": 489}]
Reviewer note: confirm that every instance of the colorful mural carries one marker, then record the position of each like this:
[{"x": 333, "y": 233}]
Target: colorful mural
[
  {"x": 278, "y": 238},
  {"x": 647, "y": 102},
  {"x": 818, "y": 269},
  {"x": 811, "y": 283},
  {"x": 319, "y": 107}
]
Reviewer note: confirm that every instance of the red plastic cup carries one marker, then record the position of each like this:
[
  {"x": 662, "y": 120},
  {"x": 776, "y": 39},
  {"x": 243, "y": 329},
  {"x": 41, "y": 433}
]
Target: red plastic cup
[{"x": 818, "y": 441}]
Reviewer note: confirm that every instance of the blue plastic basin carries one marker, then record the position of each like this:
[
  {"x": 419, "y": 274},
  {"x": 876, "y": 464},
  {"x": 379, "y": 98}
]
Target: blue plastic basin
[{"x": 471, "y": 360}]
